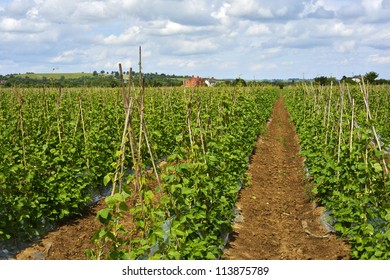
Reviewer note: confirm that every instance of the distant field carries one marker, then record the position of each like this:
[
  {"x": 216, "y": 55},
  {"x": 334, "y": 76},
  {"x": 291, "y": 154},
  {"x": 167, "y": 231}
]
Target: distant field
[{"x": 56, "y": 75}]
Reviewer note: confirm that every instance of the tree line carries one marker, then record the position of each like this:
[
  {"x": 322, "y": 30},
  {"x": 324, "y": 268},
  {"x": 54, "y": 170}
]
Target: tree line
[
  {"x": 370, "y": 77},
  {"x": 101, "y": 79}
]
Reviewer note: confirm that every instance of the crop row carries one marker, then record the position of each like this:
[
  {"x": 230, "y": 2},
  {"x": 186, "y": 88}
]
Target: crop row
[
  {"x": 58, "y": 146},
  {"x": 344, "y": 133},
  {"x": 188, "y": 216},
  {"x": 55, "y": 147}
]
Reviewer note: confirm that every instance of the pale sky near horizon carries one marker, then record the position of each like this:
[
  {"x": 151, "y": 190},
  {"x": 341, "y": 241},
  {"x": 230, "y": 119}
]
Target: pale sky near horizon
[{"x": 252, "y": 39}]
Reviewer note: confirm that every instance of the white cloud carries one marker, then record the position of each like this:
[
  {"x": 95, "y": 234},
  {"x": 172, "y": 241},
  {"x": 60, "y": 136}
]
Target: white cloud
[
  {"x": 263, "y": 66},
  {"x": 191, "y": 47},
  {"x": 21, "y": 25},
  {"x": 7, "y": 64},
  {"x": 249, "y": 9},
  {"x": 337, "y": 29},
  {"x": 258, "y": 29},
  {"x": 179, "y": 63},
  {"x": 129, "y": 36},
  {"x": 345, "y": 46},
  {"x": 19, "y": 7},
  {"x": 173, "y": 28},
  {"x": 221, "y": 14},
  {"x": 376, "y": 10},
  {"x": 93, "y": 11},
  {"x": 372, "y": 5},
  {"x": 378, "y": 59},
  {"x": 33, "y": 13},
  {"x": 280, "y": 38},
  {"x": 317, "y": 9},
  {"x": 67, "y": 56}
]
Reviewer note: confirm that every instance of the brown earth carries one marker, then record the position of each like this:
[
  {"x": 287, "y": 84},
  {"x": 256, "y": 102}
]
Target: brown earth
[
  {"x": 276, "y": 220},
  {"x": 69, "y": 241}
]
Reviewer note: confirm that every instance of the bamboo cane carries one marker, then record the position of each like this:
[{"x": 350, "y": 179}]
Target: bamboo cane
[{"x": 378, "y": 143}]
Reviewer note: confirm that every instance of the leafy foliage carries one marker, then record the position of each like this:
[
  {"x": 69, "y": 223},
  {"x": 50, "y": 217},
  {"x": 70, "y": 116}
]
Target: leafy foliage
[
  {"x": 206, "y": 137},
  {"x": 338, "y": 129},
  {"x": 56, "y": 146}
]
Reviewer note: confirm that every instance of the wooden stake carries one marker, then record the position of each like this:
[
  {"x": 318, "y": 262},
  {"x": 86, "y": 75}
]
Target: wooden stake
[
  {"x": 340, "y": 126},
  {"x": 84, "y": 133},
  {"x": 378, "y": 143},
  {"x": 352, "y": 125},
  {"x": 124, "y": 97}
]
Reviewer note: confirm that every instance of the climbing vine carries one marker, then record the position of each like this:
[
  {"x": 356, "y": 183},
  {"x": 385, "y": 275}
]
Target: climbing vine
[
  {"x": 188, "y": 214},
  {"x": 345, "y": 141}
]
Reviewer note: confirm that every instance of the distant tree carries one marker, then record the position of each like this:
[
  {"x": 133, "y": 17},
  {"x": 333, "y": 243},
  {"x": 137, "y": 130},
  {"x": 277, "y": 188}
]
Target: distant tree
[
  {"x": 321, "y": 80},
  {"x": 382, "y": 82},
  {"x": 239, "y": 82},
  {"x": 225, "y": 83},
  {"x": 371, "y": 76},
  {"x": 102, "y": 72},
  {"x": 95, "y": 73},
  {"x": 331, "y": 80},
  {"x": 347, "y": 80}
]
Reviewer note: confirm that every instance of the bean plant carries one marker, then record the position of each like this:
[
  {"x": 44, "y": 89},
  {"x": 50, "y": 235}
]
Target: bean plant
[
  {"x": 344, "y": 136},
  {"x": 203, "y": 138}
]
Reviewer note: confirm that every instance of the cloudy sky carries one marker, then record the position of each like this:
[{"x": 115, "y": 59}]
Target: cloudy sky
[{"x": 252, "y": 39}]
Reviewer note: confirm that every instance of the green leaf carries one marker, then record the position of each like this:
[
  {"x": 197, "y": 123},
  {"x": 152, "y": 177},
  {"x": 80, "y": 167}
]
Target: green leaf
[
  {"x": 159, "y": 232},
  {"x": 123, "y": 206},
  {"x": 110, "y": 201},
  {"x": 179, "y": 138},
  {"x": 174, "y": 255},
  {"x": 118, "y": 197},
  {"x": 104, "y": 213},
  {"x": 107, "y": 179},
  {"x": 370, "y": 229},
  {"x": 64, "y": 213},
  {"x": 338, "y": 227},
  {"x": 140, "y": 223},
  {"x": 210, "y": 256},
  {"x": 148, "y": 196},
  {"x": 179, "y": 232},
  {"x": 377, "y": 167},
  {"x": 187, "y": 191}
]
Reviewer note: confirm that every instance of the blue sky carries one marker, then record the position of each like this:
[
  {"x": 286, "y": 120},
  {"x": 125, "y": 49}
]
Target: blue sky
[{"x": 252, "y": 39}]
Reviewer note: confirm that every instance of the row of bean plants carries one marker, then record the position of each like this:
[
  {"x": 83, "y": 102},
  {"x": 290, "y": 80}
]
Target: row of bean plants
[
  {"x": 58, "y": 147},
  {"x": 55, "y": 147},
  {"x": 204, "y": 137},
  {"x": 344, "y": 134}
]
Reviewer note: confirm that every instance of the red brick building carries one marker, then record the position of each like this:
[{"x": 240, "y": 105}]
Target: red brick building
[{"x": 194, "y": 82}]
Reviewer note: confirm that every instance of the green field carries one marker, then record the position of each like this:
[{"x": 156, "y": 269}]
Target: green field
[{"x": 56, "y": 75}]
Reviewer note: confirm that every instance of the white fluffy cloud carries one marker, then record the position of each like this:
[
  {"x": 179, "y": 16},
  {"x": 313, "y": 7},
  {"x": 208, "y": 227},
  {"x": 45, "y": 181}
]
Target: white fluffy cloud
[
  {"x": 379, "y": 59},
  {"x": 222, "y": 38}
]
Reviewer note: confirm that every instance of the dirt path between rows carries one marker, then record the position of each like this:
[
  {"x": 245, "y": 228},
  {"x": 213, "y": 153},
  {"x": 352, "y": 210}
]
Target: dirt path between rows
[
  {"x": 277, "y": 221},
  {"x": 272, "y": 210}
]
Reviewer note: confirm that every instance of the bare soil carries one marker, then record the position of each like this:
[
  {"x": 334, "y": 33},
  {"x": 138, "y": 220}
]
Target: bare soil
[
  {"x": 276, "y": 220},
  {"x": 69, "y": 241}
]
